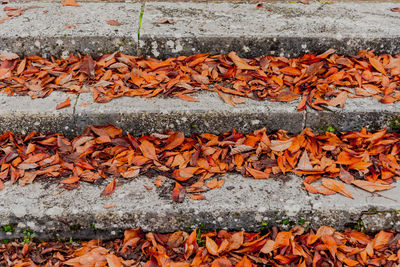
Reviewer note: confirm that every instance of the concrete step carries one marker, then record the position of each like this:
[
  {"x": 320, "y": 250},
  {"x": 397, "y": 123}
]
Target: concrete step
[
  {"x": 287, "y": 29},
  {"x": 242, "y": 203},
  {"x": 138, "y": 116}
]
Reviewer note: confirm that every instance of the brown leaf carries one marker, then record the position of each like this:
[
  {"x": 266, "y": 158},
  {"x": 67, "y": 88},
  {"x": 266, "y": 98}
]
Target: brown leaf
[
  {"x": 395, "y": 9},
  {"x": 164, "y": 21},
  {"x": 304, "y": 162},
  {"x": 336, "y": 186},
  {"x": 268, "y": 247},
  {"x": 110, "y": 188},
  {"x": 113, "y": 23},
  {"x": 226, "y": 98},
  {"x": 371, "y": 186},
  {"x": 159, "y": 181},
  {"x": 64, "y": 104},
  {"x": 148, "y": 150},
  {"x": 8, "y": 56},
  {"x": 345, "y": 176},
  {"x": 339, "y": 100},
  {"x": 211, "y": 246},
  {"x": 279, "y": 145},
  {"x": 240, "y": 149},
  {"x": 69, "y": 3},
  {"x": 178, "y": 193}
]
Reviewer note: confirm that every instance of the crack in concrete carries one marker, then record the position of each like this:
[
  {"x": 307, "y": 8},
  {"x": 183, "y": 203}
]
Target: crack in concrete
[
  {"x": 304, "y": 122},
  {"x": 74, "y": 114}
]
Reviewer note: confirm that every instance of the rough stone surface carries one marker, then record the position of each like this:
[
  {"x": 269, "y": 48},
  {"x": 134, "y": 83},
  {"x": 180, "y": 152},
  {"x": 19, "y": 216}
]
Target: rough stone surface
[
  {"x": 356, "y": 114},
  {"x": 286, "y": 29},
  {"x": 21, "y": 114},
  {"x": 210, "y": 114},
  {"x": 242, "y": 203},
  {"x": 371, "y": 211},
  {"x": 148, "y": 115},
  {"x": 66, "y": 29}
]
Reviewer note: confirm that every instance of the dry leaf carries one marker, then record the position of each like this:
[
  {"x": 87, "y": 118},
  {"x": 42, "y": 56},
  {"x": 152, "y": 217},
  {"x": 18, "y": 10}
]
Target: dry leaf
[
  {"x": 64, "y": 104},
  {"x": 69, "y": 3},
  {"x": 109, "y": 189},
  {"x": 336, "y": 186},
  {"x": 113, "y": 23}
]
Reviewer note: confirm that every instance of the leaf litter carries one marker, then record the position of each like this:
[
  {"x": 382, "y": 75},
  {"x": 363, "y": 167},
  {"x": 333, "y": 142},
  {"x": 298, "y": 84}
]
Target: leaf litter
[
  {"x": 296, "y": 247},
  {"x": 321, "y": 80},
  {"x": 195, "y": 164}
]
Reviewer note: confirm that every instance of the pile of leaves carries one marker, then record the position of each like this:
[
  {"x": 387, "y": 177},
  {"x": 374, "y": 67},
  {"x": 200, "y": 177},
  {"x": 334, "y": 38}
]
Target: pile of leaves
[
  {"x": 367, "y": 160},
  {"x": 324, "y": 247},
  {"x": 326, "y": 79}
]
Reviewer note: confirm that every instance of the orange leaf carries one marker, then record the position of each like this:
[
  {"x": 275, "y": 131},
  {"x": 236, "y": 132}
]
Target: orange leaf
[
  {"x": 310, "y": 188},
  {"x": 226, "y": 98},
  {"x": 113, "y": 261},
  {"x": 336, "y": 186},
  {"x": 282, "y": 239},
  {"x": 257, "y": 174},
  {"x": 110, "y": 188},
  {"x": 113, "y": 23},
  {"x": 184, "y": 174},
  {"x": 64, "y": 104},
  {"x": 214, "y": 183},
  {"x": 69, "y": 3},
  {"x": 244, "y": 262},
  {"x": 148, "y": 150},
  {"x": 197, "y": 197},
  {"x": 70, "y": 180},
  {"x": 211, "y": 246},
  {"x": 240, "y": 63},
  {"x": 381, "y": 240},
  {"x": 377, "y": 65},
  {"x": 290, "y": 71},
  {"x": 174, "y": 141},
  {"x": 188, "y": 98}
]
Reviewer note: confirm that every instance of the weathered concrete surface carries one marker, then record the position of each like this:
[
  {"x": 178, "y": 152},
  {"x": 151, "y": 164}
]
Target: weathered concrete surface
[
  {"x": 288, "y": 29},
  {"x": 242, "y": 203},
  {"x": 147, "y": 115},
  {"x": 24, "y": 115},
  {"x": 56, "y": 30},
  {"x": 210, "y": 114},
  {"x": 356, "y": 114}
]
